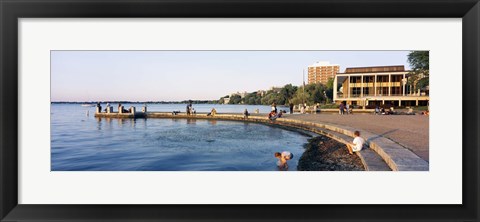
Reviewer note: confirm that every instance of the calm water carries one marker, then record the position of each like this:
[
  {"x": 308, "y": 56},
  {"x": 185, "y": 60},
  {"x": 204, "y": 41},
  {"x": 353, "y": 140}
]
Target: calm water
[{"x": 81, "y": 142}]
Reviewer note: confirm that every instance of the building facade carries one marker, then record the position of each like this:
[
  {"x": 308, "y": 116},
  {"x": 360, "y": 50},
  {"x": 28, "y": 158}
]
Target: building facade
[
  {"x": 321, "y": 71},
  {"x": 380, "y": 85}
]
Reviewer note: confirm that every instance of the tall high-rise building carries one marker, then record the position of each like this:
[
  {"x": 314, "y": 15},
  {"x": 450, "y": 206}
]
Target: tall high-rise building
[{"x": 321, "y": 71}]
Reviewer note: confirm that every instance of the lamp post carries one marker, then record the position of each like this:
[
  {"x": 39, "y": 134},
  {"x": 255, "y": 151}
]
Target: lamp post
[{"x": 326, "y": 98}]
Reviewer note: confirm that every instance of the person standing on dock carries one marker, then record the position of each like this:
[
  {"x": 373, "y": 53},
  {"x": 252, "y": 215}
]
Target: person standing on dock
[
  {"x": 188, "y": 109},
  {"x": 274, "y": 108},
  {"x": 245, "y": 114},
  {"x": 291, "y": 108},
  {"x": 99, "y": 108}
]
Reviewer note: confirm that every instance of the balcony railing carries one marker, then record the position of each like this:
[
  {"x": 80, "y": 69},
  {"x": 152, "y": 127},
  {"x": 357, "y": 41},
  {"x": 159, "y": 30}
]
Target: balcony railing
[
  {"x": 379, "y": 84},
  {"x": 380, "y": 95}
]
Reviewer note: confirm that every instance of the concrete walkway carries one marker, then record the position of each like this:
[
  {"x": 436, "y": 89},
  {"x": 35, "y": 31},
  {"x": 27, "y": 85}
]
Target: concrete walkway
[{"x": 410, "y": 131}]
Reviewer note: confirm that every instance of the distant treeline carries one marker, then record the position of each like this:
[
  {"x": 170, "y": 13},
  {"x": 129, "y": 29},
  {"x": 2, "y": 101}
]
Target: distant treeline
[{"x": 311, "y": 94}]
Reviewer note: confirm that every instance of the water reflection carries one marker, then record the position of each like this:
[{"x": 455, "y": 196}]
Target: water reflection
[{"x": 191, "y": 121}]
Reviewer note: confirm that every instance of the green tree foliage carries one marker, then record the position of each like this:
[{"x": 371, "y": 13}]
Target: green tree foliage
[
  {"x": 314, "y": 93},
  {"x": 419, "y": 63},
  {"x": 329, "y": 90},
  {"x": 273, "y": 97},
  {"x": 287, "y": 92},
  {"x": 252, "y": 99},
  {"x": 222, "y": 100},
  {"x": 235, "y": 99},
  {"x": 300, "y": 97}
]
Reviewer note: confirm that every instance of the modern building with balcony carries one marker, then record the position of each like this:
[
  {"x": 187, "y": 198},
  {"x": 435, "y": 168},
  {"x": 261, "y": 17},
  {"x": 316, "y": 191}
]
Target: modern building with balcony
[{"x": 380, "y": 85}]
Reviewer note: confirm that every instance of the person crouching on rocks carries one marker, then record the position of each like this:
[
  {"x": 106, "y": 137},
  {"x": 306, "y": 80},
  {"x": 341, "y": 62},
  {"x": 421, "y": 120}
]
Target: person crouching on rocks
[
  {"x": 357, "y": 144},
  {"x": 282, "y": 159}
]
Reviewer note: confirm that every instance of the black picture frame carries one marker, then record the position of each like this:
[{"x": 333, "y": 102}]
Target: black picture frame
[{"x": 12, "y": 10}]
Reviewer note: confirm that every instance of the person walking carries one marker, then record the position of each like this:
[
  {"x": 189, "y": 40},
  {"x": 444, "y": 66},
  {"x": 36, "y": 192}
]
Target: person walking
[{"x": 341, "y": 109}]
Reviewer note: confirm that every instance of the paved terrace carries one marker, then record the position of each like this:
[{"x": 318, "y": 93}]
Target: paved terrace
[{"x": 410, "y": 131}]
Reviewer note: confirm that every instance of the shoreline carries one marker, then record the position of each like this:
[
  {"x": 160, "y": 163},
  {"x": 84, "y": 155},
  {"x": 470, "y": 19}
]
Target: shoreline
[{"x": 325, "y": 154}]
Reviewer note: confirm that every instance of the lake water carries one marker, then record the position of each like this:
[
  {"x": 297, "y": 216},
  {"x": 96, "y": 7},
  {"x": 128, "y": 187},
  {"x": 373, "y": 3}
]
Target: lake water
[{"x": 85, "y": 143}]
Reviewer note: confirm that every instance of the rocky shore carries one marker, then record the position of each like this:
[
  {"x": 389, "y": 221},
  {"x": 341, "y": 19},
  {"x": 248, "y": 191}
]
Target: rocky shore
[{"x": 325, "y": 154}]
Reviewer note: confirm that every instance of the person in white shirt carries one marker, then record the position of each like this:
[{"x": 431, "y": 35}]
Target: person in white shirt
[
  {"x": 282, "y": 159},
  {"x": 357, "y": 144}
]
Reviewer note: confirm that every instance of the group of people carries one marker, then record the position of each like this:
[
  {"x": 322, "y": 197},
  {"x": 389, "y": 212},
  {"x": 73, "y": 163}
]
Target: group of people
[
  {"x": 190, "y": 110},
  {"x": 383, "y": 111},
  {"x": 274, "y": 114},
  {"x": 345, "y": 108},
  {"x": 304, "y": 108},
  {"x": 120, "y": 108}
]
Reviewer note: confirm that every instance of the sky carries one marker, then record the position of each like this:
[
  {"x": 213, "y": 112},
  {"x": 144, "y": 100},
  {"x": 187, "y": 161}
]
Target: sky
[{"x": 78, "y": 76}]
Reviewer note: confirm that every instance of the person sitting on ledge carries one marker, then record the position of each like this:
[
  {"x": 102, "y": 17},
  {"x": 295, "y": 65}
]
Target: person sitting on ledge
[
  {"x": 107, "y": 107},
  {"x": 357, "y": 144},
  {"x": 377, "y": 110},
  {"x": 272, "y": 115},
  {"x": 212, "y": 113},
  {"x": 280, "y": 114}
]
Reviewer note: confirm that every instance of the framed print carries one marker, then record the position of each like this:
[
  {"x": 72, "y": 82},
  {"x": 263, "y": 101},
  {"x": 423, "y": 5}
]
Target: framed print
[{"x": 225, "y": 110}]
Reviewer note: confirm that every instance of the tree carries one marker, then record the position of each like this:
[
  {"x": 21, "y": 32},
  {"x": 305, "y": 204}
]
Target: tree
[
  {"x": 329, "y": 90},
  {"x": 222, "y": 100},
  {"x": 235, "y": 99},
  {"x": 419, "y": 64},
  {"x": 252, "y": 98},
  {"x": 287, "y": 92},
  {"x": 273, "y": 97},
  {"x": 300, "y": 97}
]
